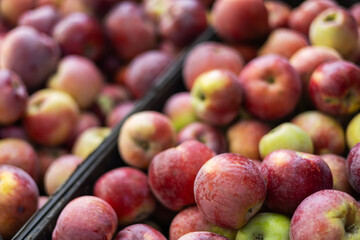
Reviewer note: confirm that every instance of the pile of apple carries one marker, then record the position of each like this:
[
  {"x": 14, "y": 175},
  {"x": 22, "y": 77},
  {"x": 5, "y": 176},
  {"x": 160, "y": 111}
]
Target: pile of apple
[
  {"x": 70, "y": 71},
  {"x": 264, "y": 144}
]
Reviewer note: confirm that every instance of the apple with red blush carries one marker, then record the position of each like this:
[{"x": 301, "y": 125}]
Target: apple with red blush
[
  {"x": 139, "y": 232},
  {"x": 279, "y": 12},
  {"x": 118, "y": 113},
  {"x": 353, "y": 167}
]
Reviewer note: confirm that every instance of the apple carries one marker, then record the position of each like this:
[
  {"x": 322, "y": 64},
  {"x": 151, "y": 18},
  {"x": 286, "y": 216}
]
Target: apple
[
  {"x": 42, "y": 201},
  {"x": 80, "y": 78},
  {"x": 335, "y": 87},
  {"x": 131, "y": 32},
  {"x": 13, "y": 97},
  {"x": 216, "y": 97},
  {"x": 353, "y": 167},
  {"x": 291, "y": 176},
  {"x": 126, "y": 189},
  {"x": 89, "y": 140},
  {"x": 182, "y": 22},
  {"x": 217, "y": 187},
  {"x": 50, "y": 117},
  {"x": 11, "y": 10},
  {"x": 139, "y": 232},
  {"x": 18, "y": 199},
  {"x": 332, "y": 27},
  {"x": 80, "y": 34},
  {"x": 337, "y": 165},
  {"x": 355, "y": 12},
  {"x": 334, "y": 215},
  {"x": 119, "y": 113},
  {"x": 23, "y": 43},
  {"x": 284, "y": 42},
  {"x": 266, "y": 225},
  {"x": 143, "y": 135},
  {"x": 191, "y": 220},
  {"x": 352, "y": 128},
  {"x": 203, "y": 235},
  {"x": 13, "y": 131},
  {"x": 278, "y": 12},
  {"x": 272, "y": 87},
  {"x": 205, "y": 133},
  {"x": 326, "y": 132},
  {"x": 59, "y": 171},
  {"x": 179, "y": 109},
  {"x": 234, "y": 21},
  {"x": 286, "y": 136},
  {"x": 43, "y": 18},
  {"x": 244, "y": 137},
  {"x": 208, "y": 56},
  {"x": 172, "y": 173},
  {"x": 86, "y": 217},
  {"x": 144, "y": 70}
]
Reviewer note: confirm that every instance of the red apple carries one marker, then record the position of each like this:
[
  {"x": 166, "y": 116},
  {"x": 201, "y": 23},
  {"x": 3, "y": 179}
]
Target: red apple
[
  {"x": 139, "y": 232},
  {"x": 229, "y": 189},
  {"x": 272, "y": 87},
  {"x": 279, "y": 12},
  {"x": 14, "y": 131},
  {"x": 126, "y": 189},
  {"x": 353, "y": 167},
  {"x": 355, "y": 12},
  {"x": 291, "y": 176},
  {"x": 119, "y": 113}
]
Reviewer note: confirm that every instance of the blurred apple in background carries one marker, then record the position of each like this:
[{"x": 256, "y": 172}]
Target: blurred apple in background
[
  {"x": 11, "y": 10},
  {"x": 326, "y": 132},
  {"x": 353, "y": 167},
  {"x": 278, "y": 12},
  {"x": 18, "y": 199},
  {"x": 13, "y": 97},
  {"x": 14, "y": 131},
  {"x": 217, "y": 187},
  {"x": 272, "y": 87},
  {"x": 291, "y": 176},
  {"x": 352, "y": 130},
  {"x": 334, "y": 215},
  {"x": 244, "y": 136},
  {"x": 143, "y": 135},
  {"x": 50, "y": 117},
  {"x": 333, "y": 27},
  {"x": 355, "y": 12},
  {"x": 286, "y": 136},
  {"x": 335, "y": 87},
  {"x": 119, "y": 113}
]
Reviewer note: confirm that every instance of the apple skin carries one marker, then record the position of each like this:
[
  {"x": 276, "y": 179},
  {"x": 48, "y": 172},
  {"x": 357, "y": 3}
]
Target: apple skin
[
  {"x": 144, "y": 70},
  {"x": 42, "y": 201},
  {"x": 18, "y": 199},
  {"x": 172, "y": 173},
  {"x": 13, "y": 97},
  {"x": 334, "y": 215},
  {"x": 301, "y": 17},
  {"x": 216, "y": 97},
  {"x": 284, "y": 42},
  {"x": 119, "y": 113},
  {"x": 24, "y": 43},
  {"x": 11, "y": 10},
  {"x": 191, "y": 220},
  {"x": 89, "y": 140},
  {"x": 14, "y": 131},
  {"x": 217, "y": 187},
  {"x": 353, "y": 167},
  {"x": 326, "y": 132},
  {"x": 337, "y": 165},
  {"x": 208, "y": 56},
  {"x": 80, "y": 34},
  {"x": 307, "y": 59},
  {"x": 267, "y": 225},
  {"x": 182, "y": 22},
  {"x": 130, "y": 30},
  {"x": 332, "y": 27},
  {"x": 285, "y": 136},
  {"x": 205, "y": 133},
  {"x": 86, "y": 217},
  {"x": 126, "y": 189},
  {"x": 244, "y": 137},
  {"x": 80, "y": 78},
  {"x": 50, "y": 117},
  {"x": 335, "y": 87},
  {"x": 143, "y": 135},
  {"x": 272, "y": 87},
  {"x": 59, "y": 171},
  {"x": 203, "y": 235},
  {"x": 279, "y": 12},
  {"x": 291, "y": 176},
  {"x": 353, "y": 127},
  {"x": 139, "y": 232},
  {"x": 240, "y": 20},
  {"x": 43, "y": 18},
  {"x": 355, "y": 12}
]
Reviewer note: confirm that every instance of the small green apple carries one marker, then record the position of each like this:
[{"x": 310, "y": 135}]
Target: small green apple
[
  {"x": 266, "y": 226},
  {"x": 352, "y": 131},
  {"x": 285, "y": 136}
]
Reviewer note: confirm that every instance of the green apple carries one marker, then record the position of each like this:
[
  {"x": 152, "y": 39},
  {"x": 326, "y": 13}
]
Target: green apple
[
  {"x": 352, "y": 131},
  {"x": 266, "y": 226},
  {"x": 286, "y": 136}
]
